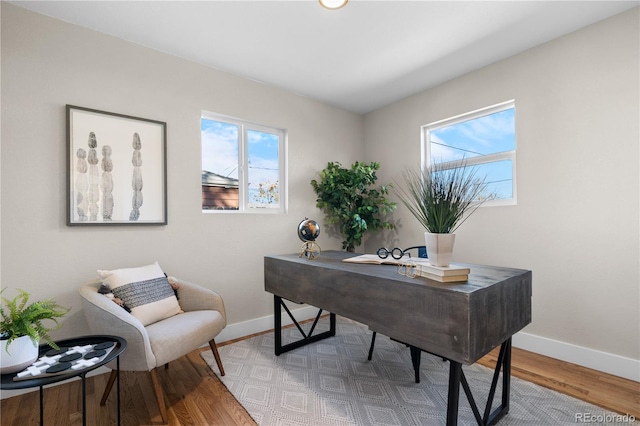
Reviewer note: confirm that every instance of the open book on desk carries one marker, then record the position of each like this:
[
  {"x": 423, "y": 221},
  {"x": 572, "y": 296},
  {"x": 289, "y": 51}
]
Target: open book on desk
[{"x": 436, "y": 271}]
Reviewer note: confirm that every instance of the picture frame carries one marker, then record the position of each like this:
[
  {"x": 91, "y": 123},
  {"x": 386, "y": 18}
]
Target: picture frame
[{"x": 116, "y": 169}]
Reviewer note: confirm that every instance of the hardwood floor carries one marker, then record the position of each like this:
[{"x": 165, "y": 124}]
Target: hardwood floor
[
  {"x": 196, "y": 397},
  {"x": 598, "y": 388},
  {"x": 193, "y": 393}
]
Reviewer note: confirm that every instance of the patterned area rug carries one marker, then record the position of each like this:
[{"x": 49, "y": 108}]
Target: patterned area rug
[{"x": 331, "y": 383}]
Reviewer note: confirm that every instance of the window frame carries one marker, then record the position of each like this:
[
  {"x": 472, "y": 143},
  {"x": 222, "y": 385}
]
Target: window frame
[
  {"x": 480, "y": 159},
  {"x": 244, "y": 127}
]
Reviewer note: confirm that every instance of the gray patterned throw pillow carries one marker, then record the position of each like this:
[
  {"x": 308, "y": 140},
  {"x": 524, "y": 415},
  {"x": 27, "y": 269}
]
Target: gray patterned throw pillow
[{"x": 144, "y": 290}]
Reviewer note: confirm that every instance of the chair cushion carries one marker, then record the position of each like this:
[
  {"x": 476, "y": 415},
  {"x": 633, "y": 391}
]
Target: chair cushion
[
  {"x": 177, "y": 336},
  {"x": 144, "y": 290}
]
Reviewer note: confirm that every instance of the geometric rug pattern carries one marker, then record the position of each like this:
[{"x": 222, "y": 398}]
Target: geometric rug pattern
[{"x": 332, "y": 383}]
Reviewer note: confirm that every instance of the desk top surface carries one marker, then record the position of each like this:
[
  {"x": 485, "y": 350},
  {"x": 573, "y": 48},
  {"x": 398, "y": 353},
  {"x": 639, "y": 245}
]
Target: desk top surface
[{"x": 480, "y": 276}]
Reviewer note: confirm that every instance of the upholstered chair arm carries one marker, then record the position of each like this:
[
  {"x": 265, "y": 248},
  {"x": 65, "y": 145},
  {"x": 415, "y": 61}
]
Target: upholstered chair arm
[
  {"x": 193, "y": 297},
  {"x": 106, "y": 317}
]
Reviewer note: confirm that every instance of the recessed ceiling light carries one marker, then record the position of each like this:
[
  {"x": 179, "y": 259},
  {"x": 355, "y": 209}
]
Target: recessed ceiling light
[{"x": 333, "y": 4}]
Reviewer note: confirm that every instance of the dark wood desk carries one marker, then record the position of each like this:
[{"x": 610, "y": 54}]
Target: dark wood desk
[{"x": 460, "y": 322}]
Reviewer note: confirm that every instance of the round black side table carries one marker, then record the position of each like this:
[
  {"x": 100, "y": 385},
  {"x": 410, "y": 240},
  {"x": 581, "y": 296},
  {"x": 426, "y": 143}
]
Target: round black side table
[{"x": 7, "y": 381}]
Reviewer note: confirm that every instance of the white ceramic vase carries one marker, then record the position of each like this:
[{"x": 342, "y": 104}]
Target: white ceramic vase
[
  {"x": 22, "y": 353},
  {"x": 439, "y": 248}
]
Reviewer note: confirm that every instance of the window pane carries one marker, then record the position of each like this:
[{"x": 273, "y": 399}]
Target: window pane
[
  {"x": 220, "y": 145},
  {"x": 242, "y": 165},
  {"x": 486, "y": 139},
  {"x": 263, "y": 173},
  {"x": 498, "y": 177},
  {"x": 484, "y": 135}
]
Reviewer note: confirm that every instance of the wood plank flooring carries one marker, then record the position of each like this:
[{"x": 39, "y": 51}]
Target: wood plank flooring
[
  {"x": 598, "y": 388},
  {"x": 196, "y": 396}
]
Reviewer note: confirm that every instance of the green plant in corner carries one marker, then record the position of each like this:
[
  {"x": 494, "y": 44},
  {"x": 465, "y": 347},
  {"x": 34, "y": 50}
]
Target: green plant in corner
[
  {"x": 443, "y": 198},
  {"x": 22, "y": 319},
  {"x": 352, "y": 202}
]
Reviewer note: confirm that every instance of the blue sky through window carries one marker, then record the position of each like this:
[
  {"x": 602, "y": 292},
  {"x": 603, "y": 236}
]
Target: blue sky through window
[
  {"x": 221, "y": 143},
  {"x": 489, "y": 134},
  {"x": 262, "y": 151},
  {"x": 499, "y": 178},
  {"x": 263, "y": 157},
  {"x": 470, "y": 139}
]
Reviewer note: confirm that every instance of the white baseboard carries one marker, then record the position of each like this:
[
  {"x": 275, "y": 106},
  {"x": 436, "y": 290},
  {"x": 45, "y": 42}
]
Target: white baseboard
[
  {"x": 590, "y": 358},
  {"x": 257, "y": 325}
]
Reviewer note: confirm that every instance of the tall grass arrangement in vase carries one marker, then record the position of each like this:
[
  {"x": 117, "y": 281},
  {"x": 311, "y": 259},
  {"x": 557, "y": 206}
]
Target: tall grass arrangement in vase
[{"x": 442, "y": 199}]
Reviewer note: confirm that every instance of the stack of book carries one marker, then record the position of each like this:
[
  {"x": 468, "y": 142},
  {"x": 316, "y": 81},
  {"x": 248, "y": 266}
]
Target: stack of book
[{"x": 444, "y": 274}]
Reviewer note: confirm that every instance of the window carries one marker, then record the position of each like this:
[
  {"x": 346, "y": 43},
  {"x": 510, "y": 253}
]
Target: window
[
  {"x": 243, "y": 166},
  {"x": 484, "y": 139}
]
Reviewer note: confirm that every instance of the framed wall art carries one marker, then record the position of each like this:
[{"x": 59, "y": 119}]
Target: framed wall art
[{"x": 116, "y": 169}]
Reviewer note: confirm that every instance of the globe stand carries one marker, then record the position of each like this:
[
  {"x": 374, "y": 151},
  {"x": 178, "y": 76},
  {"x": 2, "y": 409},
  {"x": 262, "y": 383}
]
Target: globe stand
[{"x": 310, "y": 250}]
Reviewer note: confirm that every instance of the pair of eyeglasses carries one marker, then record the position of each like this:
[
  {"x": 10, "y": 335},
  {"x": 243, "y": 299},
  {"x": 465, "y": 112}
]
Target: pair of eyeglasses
[{"x": 396, "y": 253}]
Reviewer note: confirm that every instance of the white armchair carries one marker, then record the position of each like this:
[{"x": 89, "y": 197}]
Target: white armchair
[{"x": 159, "y": 343}]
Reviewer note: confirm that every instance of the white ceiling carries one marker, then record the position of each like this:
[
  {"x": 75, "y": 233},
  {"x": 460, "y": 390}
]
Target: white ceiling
[{"x": 361, "y": 57}]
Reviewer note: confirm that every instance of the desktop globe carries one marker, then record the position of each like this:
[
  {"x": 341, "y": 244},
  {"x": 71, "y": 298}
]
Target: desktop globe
[{"x": 308, "y": 231}]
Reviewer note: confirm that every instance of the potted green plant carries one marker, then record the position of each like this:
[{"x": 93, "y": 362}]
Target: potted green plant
[
  {"x": 22, "y": 327},
  {"x": 442, "y": 199},
  {"x": 352, "y": 202}
]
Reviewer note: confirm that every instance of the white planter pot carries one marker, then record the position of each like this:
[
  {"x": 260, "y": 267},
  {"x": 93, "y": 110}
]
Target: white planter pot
[
  {"x": 22, "y": 353},
  {"x": 439, "y": 248}
]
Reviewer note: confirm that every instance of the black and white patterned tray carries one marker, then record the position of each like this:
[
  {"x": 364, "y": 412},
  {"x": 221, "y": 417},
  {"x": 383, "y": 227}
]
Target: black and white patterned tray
[{"x": 65, "y": 360}]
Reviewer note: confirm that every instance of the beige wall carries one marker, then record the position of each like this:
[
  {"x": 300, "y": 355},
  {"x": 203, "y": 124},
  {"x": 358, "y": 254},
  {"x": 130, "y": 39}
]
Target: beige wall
[
  {"x": 576, "y": 221},
  {"x": 575, "y": 225},
  {"x": 46, "y": 64}
]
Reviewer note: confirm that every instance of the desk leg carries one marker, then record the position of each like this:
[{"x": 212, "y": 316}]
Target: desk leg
[
  {"x": 278, "y": 304},
  {"x": 504, "y": 363},
  {"x": 457, "y": 378},
  {"x": 506, "y": 376},
  {"x": 453, "y": 399},
  {"x": 373, "y": 342},
  {"x": 416, "y": 354},
  {"x": 277, "y": 324}
]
